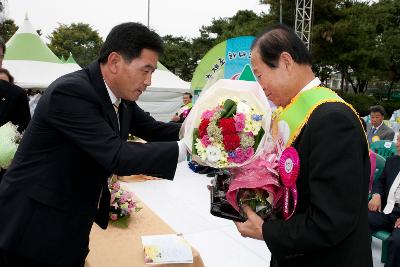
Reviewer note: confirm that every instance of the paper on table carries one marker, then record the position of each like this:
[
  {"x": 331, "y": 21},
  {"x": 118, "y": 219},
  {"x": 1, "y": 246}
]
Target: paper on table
[{"x": 166, "y": 249}]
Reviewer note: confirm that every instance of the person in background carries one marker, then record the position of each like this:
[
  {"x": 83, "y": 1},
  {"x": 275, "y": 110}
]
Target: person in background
[
  {"x": 329, "y": 226},
  {"x": 6, "y": 76},
  {"x": 14, "y": 106},
  {"x": 184, "y": 110},
  {"x": 386, "y": 198},
  {"x": 57, "y": 184},
  {"x": 377, "y": 130},
  {"x": 34, "y": 97}
]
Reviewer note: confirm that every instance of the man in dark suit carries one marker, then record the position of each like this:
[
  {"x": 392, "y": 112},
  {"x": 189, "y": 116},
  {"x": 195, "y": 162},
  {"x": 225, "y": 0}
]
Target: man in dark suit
[
  {"x": 329, "y": 227},
  {"x": 14, "y": 108},
  {"x": 56, "y": 186},
  {"x": 14, "y": 105},
  {"x": 386, "y": 194},
  {"x": 377, "y": 130}
]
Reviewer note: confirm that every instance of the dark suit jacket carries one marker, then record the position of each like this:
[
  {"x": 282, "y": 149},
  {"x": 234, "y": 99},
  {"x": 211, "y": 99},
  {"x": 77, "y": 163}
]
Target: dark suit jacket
[
  {"x": 14, "y": 108},
  {"x": 330, "y": 224},
  {"x": 385, "y": 181},
  {"x": 50, "y": 194},
  {"x": 14, "y": 105}
]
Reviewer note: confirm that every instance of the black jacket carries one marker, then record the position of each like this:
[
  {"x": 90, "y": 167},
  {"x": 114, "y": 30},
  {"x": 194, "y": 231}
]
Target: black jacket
[
  {"x": 50, "y": 194},
  {"x": 330, "y": 224},
  {"x": 14, "y": 105},
  {"x": 385, "y": 181}
]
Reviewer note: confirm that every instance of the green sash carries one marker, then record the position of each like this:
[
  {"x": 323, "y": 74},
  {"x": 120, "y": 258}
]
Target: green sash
[{"x": 297, "y": 113}]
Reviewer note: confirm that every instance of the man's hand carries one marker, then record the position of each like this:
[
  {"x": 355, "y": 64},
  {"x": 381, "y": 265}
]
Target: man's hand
[
  {"x": 253, "y": 226},
  {"x": 375, "y": 203},
  {"x": 397, "y": 223},
  {"x": 175, "y": 118}
]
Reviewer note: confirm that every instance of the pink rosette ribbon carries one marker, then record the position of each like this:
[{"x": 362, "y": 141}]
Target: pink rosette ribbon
[
  {"x": 185, "y": 113},
  {"x": 289, "y": 167}
]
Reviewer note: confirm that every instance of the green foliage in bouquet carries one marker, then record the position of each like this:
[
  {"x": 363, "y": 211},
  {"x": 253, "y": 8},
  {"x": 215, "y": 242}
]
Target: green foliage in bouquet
[
  {"x": 229, "y": 109},
  {"x": 195, "y": 136},
  {"x": 257, "y": 200},
  {"x": 258, "y": 138}
]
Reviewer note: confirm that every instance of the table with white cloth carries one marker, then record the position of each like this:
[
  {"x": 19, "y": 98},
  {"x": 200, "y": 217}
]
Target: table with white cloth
[{"x": 184, "y": 204}]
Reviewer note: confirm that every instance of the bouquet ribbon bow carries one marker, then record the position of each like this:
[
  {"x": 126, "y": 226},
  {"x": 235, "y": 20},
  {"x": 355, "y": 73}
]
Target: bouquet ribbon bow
[{"x": 289, "y": 166}]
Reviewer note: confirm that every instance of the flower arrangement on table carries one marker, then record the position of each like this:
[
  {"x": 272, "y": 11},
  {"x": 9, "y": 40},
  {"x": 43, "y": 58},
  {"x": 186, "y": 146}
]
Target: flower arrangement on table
[
  {"x": 122, "y": 203},
  {"x": 229, "y": 129},
  {"x": 9, "y": 141}
]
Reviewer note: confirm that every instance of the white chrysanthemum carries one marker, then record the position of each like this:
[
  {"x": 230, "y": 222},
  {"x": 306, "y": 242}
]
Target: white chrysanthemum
[
  {"x": 256, "y": 127},
  {"x": 201, "y": 150},
  {"x": 213, "y": 153},
  {"x": 243, "y": 108}
]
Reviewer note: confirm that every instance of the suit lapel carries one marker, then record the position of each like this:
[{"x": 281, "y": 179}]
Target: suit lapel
[
  {"x": 380, "y": 131},
  {"x": 100, "y": 88}
]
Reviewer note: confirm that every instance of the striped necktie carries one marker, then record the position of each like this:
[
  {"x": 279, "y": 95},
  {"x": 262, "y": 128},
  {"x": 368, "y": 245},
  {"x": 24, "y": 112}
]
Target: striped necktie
[{"x": 116, "y": 105}]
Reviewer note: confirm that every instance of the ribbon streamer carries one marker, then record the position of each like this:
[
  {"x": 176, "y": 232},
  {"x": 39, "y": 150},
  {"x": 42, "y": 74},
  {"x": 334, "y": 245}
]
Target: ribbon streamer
[{"x": 289, "y": 167}]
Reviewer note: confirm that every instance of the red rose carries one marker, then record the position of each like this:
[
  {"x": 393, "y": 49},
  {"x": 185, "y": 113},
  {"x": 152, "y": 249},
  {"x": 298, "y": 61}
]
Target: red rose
[
  {"x": 203, "y": 127},
  {"x": 227, "y": 126},
  {"x": 231, "y": 141}
]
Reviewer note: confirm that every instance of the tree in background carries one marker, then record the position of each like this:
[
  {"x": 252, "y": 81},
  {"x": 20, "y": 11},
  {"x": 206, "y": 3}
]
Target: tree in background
[
  {"x": 288, "y": 11},
  {"x": 355, "y": 45},
  {"x": 387, "y": 15},
  {"x": 177, "y": 56},
  {"x": 244, "y": 22},
  {"x": 7, "y": 29},
  {"x": 78, "y": 38}
]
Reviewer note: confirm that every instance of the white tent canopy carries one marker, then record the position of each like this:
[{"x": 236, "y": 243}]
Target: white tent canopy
[
  {"x": 31, "y": 62},
  {"x": 164, "y": 96},
  {"x": 37, "y": 74},
  {"x": 34, "y": 65}
]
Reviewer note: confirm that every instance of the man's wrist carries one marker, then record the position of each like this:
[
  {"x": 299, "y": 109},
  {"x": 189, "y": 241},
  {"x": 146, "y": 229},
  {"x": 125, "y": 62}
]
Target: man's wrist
[{"x": 376, "y": 195}]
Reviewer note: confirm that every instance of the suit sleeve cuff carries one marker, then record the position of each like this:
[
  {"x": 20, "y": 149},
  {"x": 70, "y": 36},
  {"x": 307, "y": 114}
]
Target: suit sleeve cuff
[{"x": 182, "y": 151}]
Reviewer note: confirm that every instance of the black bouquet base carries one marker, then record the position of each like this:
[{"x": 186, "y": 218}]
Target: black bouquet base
[{"x": 220, "y": 207}]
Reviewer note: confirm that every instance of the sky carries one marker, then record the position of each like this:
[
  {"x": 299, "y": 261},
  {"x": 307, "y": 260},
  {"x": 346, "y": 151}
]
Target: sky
[{"x": 174, "y": 17}]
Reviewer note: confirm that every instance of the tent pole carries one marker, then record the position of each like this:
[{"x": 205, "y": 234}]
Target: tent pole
[{"x": 148, "y": 14}]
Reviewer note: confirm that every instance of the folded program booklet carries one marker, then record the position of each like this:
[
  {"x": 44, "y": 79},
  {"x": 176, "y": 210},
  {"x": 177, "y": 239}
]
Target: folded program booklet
[{"x": 166, "y": 249}]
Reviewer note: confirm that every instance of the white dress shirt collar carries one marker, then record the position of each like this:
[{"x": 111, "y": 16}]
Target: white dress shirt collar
[
  {"x": 113, "y": 98},
  {"x": 314, "y": 83},
  {"x": 377, "y": 128}
]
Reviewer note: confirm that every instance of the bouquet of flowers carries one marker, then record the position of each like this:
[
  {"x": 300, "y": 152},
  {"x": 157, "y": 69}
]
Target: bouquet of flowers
[
  {"x": 228, "y": 134},
  {"x": 228, "y": 128},
  {"x": 9, "y": 140},
  {"x": 122, "y": 203},
  {"x": 257, "y": 184}
]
